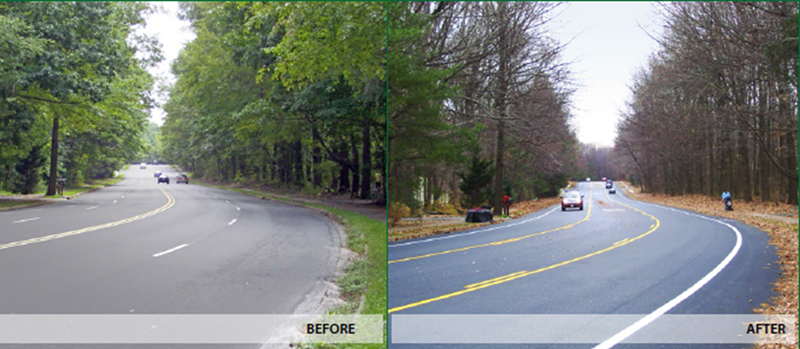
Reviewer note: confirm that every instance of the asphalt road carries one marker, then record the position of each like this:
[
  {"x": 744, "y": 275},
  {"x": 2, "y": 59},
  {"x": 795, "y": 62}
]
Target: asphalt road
[
  {"x": 617, "y": 256},
  {"x": 164, "y": 249}
]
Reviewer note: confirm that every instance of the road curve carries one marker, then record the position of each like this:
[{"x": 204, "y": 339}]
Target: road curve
[
  {"x": 164, "y": 249},
  {"x": 618, "y": 256}
]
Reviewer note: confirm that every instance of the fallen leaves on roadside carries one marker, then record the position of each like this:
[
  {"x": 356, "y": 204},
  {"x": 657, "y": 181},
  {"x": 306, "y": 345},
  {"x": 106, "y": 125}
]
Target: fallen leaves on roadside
[{"x": 410, "y": 229}]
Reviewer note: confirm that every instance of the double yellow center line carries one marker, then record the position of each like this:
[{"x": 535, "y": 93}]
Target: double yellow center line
[
  {"x": 170, "y": 202},
  {"x": 524, "y": 273}
]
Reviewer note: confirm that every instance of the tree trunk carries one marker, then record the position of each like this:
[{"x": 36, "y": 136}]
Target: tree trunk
[
  {"x": 366, "y": 155},
  {"x": 316, "y": 158},
  {"x": 51, "y": 183},
  {"x": 344, "y": 171},
  {"x": 356, "y": 179},
  {"x": 298, "y": 162},
  {"x": 500, "y": 106}
]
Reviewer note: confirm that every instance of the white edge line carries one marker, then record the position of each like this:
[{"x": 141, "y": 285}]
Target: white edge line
[
  {"x": 92, "y": 208},
  {"x": 638, "y": 325},
  {"x": 170, "y": 250},
  {"x": 233, "y": 221},
  {"x": 26, "y": 220},
  {"x": 472, "y": 232}
]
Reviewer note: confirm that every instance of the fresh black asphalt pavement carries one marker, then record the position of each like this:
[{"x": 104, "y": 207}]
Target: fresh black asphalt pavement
[{"x": 617, "y": 256}]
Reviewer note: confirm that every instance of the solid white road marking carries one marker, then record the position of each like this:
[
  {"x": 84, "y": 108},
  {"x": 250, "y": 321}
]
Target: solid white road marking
[
  {"x": 91, "y": 208},
  {"x": 233, "y": 221},
  {"x": 26, "y": 220},
  {"x": 638, "y": 325},
  {"x": 474, "y": 232},
  {"x": 170, "y": 250}
]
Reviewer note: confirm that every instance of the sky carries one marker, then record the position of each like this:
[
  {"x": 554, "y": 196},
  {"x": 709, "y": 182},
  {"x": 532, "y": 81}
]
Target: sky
[
  {"x": 608, "y": 44},
  {"x": 173, "y": 34}
]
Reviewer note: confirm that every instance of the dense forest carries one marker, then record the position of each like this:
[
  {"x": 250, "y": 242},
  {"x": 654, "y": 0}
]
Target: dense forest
[
  {"x": 716, "y": 108},
  {"x": 478, "y": 105},
  {"x": 282, "y": 94},
  {"x": 74, "y": 91}
]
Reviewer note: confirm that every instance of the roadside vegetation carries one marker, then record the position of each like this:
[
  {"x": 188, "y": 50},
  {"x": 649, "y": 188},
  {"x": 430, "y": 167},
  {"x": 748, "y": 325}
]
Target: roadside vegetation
[
  {"x": 74, "y": 91},
  {"x": 288, "y": 95},
  {"x": 715, "y": 108},
  {"x": 478, "y": 106}
]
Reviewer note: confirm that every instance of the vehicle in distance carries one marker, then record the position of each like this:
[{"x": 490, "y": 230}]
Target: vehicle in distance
[
  {"x": 609, "y": 184},
  {"x": 157, "y": 174},
  {"x": 182, "y": 178},
  {"x": 588, "y": 179},
  {"x": 143, "y": 166},
  {"x": 612, "y": 191},
  {"x": 163, "y": 178},
  {"x": 571, "y": 199},
  {"x": 604, "y": 179}
]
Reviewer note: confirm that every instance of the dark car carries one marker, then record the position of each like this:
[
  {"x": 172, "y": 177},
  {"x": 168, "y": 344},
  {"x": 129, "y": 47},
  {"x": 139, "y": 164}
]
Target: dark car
[
  {"x": 479, "y": 215},
  {"x": 157, "y": 174},
  {"x": 609, "y": 185},
  {"x": 571, "y": 199},
  {"x": 163, "y": 179},
  {"x": 612, "y": 191},
  {"x": 182, "y": 178}
]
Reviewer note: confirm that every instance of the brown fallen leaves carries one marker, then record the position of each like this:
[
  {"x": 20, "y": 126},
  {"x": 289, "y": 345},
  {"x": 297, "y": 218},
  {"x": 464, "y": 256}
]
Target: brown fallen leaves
[
  {"x": 421, "y": 228},
  {"x": 779, "y": 221}
]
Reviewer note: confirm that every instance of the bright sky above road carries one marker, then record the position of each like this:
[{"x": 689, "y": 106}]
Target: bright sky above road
[
  {"x": 173, "y": 35},
  {"x": 607, "y": 46}
]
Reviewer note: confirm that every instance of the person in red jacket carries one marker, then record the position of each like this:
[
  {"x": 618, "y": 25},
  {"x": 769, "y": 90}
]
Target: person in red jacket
[{"x": 506, "y": 204}]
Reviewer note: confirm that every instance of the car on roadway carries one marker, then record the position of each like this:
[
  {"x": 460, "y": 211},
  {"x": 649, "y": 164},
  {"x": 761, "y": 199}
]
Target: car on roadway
[
  {"x": 163, "y": 179},
  {"x": 588, "y": 179},
  {"x": 604, "y": 179},
  {"x": 609, "y": 184},
  {"x": 571, "y": 199},
  {"x": 142, "y": 166},
  {"x": 157, "y": 174},
  {"x": 182, "y": 178},
  {"x": 612, "y": 191}
]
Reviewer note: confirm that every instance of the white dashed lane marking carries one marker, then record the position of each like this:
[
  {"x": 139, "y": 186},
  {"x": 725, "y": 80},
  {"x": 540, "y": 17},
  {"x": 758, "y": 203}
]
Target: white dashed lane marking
[
  {"x": 233, "y": 221},
  {"x": 25, "y": 220},
  {"x": 170, "y": 250}
]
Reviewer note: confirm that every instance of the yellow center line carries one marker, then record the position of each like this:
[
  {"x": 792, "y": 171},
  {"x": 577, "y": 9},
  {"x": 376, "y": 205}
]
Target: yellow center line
[
  {"x": 521, "y": 274},
  {"x": 500, "y": 242},
  {"x": 170, "y": 202}
]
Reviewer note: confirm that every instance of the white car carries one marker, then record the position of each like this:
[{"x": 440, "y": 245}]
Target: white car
[
  {"x": 571, "y": 199},
  {"x": 143, "y": 166},
  {"x": 588, "y": 179}
]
